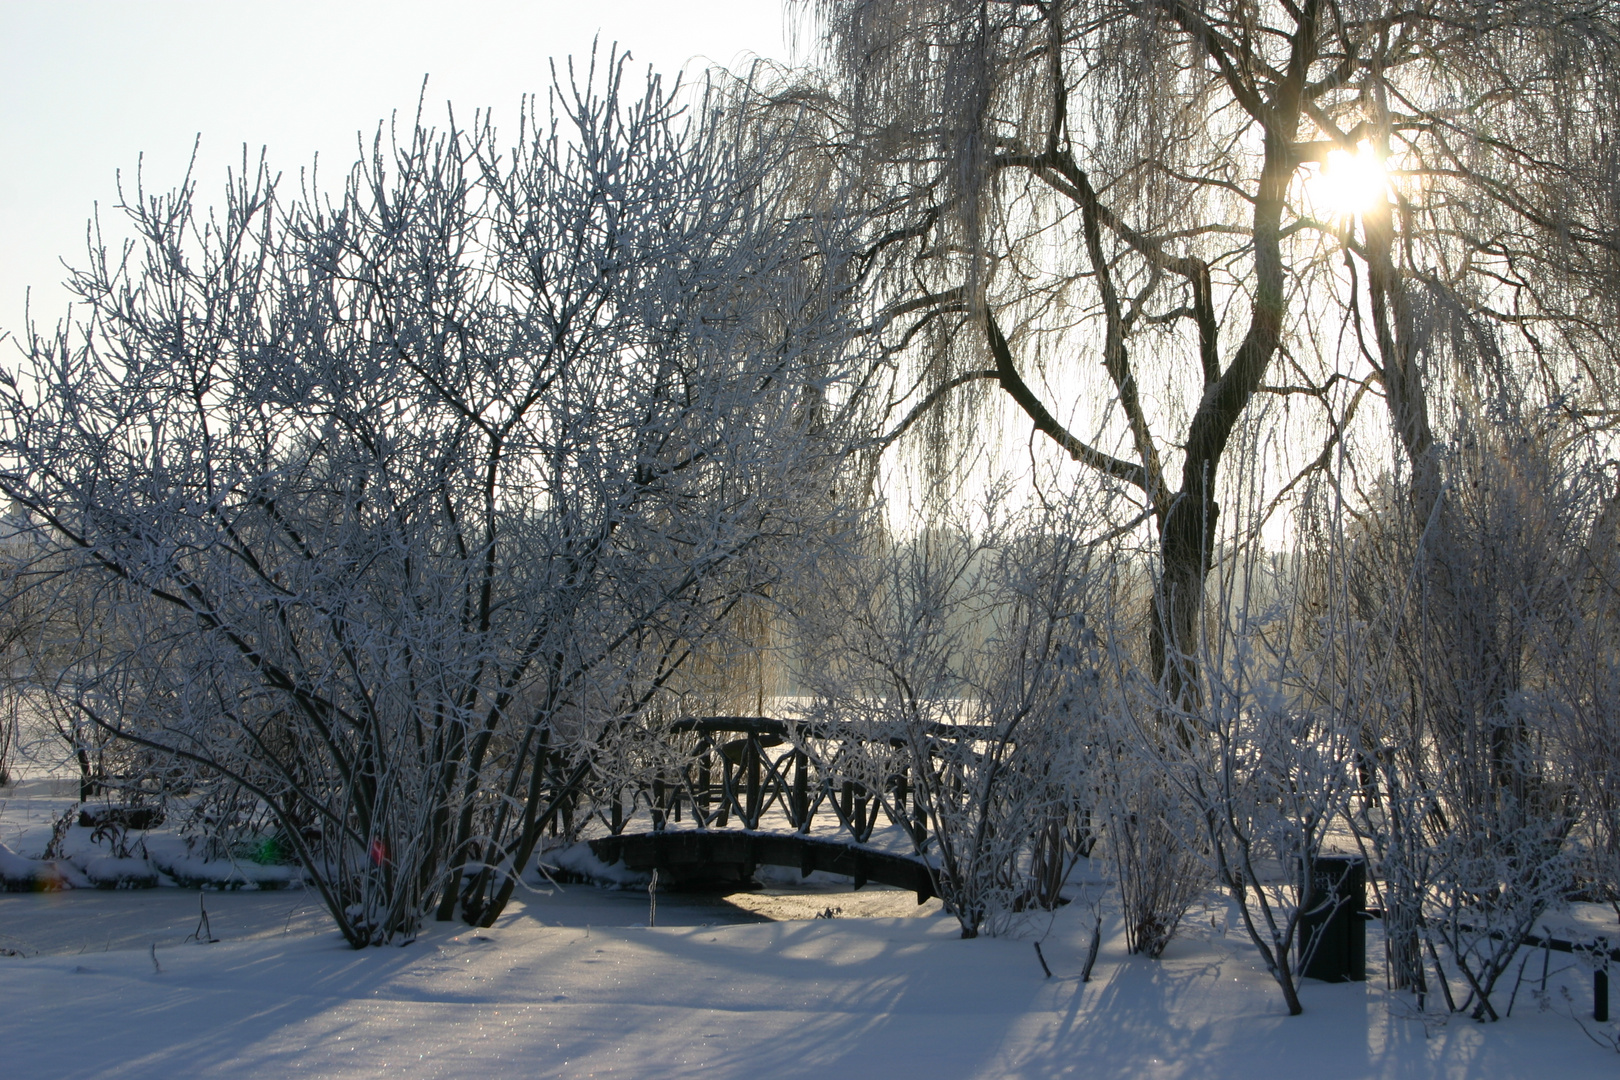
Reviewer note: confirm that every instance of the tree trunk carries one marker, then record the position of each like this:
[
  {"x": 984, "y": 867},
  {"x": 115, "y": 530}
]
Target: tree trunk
[{"x": 1186, "y": 543}]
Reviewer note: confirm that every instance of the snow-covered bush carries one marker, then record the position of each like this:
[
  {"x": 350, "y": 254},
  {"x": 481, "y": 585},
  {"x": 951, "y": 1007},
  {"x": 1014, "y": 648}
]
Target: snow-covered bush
[
  {"x": 1254, "y": 766},
  {"x": 395, "y": 507},
  {"x": 1154, "y": 856},
  {"x": 1488, "y": 700},
  {"x": 975, "y": 645}
]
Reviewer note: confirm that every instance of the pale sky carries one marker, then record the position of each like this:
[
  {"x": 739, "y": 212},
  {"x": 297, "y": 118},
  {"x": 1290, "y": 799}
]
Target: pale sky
[{"x": 89, "y": 86}]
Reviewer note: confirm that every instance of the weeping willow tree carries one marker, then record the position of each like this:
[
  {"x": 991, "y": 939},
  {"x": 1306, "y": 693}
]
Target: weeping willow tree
[{"x": 1136, "y": 219}]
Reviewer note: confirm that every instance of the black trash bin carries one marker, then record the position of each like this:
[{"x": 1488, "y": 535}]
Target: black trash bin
[{"x": 1334, "y": 919}]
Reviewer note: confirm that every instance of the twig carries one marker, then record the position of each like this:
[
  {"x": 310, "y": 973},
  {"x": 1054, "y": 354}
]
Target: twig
[
  {"x": 157, "y": 967},
  {"x": 1440, "y": 973},
  {"x": 1603, "y": 1038},
  {"x": 204, "y": 934},
  {"x": 1042, "y": 959},
  {"x": 1517, "y": 982},
  {"x": 539, "y": 864},
  {"x": 1091, "y": 953}
]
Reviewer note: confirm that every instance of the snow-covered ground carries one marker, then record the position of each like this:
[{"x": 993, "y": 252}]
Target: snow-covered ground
[{"x": 574, "y": 984}]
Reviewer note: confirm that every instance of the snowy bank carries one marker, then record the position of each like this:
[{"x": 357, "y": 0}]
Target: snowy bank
[{"x": 876, "y": 997}]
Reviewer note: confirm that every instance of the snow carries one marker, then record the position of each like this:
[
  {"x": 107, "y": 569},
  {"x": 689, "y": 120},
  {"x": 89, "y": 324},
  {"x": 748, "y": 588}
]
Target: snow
[
  {"x": 18, "y": 873},
  {"x": 580, "y": 859},
  {"x": 170, "y": 857},
  {"x": 16, "y": 868},
  {"x": 111, "y": 872},
  {"x": 31, "y": 809},
  {"x": 550, "y": 992},
  {"x": 571, "y": 982}
]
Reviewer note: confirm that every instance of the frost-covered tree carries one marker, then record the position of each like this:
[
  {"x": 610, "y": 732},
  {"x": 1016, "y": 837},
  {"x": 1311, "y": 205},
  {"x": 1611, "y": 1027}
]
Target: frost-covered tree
[
  {"x": 397, "y": 504},
  {"x": 1188, "y": 243},
  {"x": 1137, "y": 218}
]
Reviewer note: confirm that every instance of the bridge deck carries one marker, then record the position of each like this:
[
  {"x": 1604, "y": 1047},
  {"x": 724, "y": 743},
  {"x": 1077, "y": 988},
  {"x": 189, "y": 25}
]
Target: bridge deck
[{"x": 696, "y": 852}]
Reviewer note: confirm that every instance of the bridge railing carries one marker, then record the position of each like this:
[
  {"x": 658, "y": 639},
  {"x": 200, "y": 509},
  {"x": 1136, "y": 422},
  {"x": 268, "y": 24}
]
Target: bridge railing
[{"x": 755, "y": 772}]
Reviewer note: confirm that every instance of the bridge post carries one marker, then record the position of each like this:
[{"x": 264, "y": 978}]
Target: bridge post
[
  {"x": 543, "y": 766},
  {"x": 902, "y": 791},
  {"x": 701, "y": 805},
  {"x": 752, "y": 752},
  {"x": 727, "y": 792},
  {"x": 657, "y": 807},
  {"x": 919, "y": 821},
  {"x": 801, "y": 791}
]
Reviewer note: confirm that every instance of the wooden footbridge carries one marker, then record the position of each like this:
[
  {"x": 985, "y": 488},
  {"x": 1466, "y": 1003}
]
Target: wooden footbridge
[{"x": 750, "y": 791}]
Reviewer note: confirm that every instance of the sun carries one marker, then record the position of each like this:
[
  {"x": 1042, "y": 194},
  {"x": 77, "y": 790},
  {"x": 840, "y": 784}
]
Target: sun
[{"x": 1349, "y": 184}]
